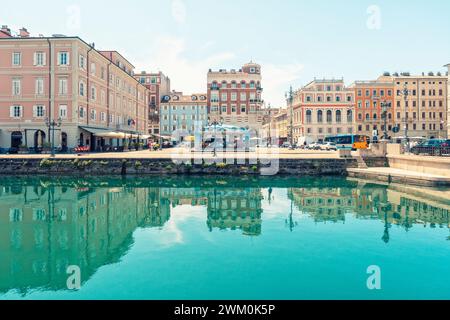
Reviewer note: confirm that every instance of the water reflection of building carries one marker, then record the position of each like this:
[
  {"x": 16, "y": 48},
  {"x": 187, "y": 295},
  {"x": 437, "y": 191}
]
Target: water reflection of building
[
  {"x": 43, "y": 230},
  {"x": 185, "y": 196},
  {"x": 323, "y": 204},
  {"x": 159, "y": 208},
  {"x": 370, "y": 202},
  {"x": 235, "y": 209},
  {"x": 407, "y": 210}
]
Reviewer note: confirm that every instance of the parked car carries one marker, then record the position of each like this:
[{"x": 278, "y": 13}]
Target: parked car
[
  {"x": 328, "y": 146},
  {"x": 314, "y": 146},
  {"x": 432, "y": 147}
]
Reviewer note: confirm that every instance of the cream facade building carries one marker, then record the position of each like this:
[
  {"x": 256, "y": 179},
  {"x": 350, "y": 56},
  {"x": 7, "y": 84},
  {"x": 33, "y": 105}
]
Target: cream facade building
[
  {"x": 424, "y": 111},
  {"x": 322, "y": 108},
  {"x": 448, "y": 100},
  {"x": 276, "y": 126}
]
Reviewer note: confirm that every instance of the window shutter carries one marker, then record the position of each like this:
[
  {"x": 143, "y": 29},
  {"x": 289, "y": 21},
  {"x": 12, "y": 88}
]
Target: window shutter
[
  {"x": 44, "y": 58},
  {"x": 68, "y": 58},
  {"x": 11, "y": 111},
  {"x": 35, "y": 59},
  {"x": 34, "y": 111},
  {"x": 21, "y": 111},
  {"x": 44, "y": 111},
  {"x": 59, "y": 59}
]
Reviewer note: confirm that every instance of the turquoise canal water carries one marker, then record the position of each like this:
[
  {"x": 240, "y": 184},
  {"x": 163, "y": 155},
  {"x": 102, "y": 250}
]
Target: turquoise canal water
[{"x": 222, "y": 238}]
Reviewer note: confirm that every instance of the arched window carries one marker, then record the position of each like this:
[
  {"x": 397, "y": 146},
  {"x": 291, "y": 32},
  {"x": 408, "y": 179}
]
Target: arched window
[
  {"x": 338, "y": 116},
  {"x": 308, "y": 116},
  {"x": 367, "y": 116},
  {"x": 350, "y": 116},
  {"x": 320, "y": 116},
  {"x": 328, "y": 99},
  {"x": 233, "y": 85},
  {"x": 375, "y": 116},
  {"x": 252, "y": 85},
  {"x": 338, "y": 99},
  {"x": 243, "y": 85},
  {"x": 82, "y": 88},
  {"x": 329, "y": 116},
  {"x": 224, "y": 85}
]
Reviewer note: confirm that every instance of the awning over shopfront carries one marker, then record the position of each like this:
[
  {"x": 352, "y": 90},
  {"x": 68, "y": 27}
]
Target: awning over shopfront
[{"x": 105, "y": 133}]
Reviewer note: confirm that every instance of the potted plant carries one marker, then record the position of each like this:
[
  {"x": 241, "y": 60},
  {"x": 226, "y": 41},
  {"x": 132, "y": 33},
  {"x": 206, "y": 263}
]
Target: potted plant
[{"x": 125, "y": 146}]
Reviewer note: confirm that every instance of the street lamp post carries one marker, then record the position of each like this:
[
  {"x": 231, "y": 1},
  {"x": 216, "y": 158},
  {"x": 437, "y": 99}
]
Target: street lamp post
[
  {"x": 405, "y": 93},
  {"x": 52, "y": 125},
  {"x": 384, "y": 106},
  {"x": 269, "y": 143},
  {"x": 290, "y": 98}
]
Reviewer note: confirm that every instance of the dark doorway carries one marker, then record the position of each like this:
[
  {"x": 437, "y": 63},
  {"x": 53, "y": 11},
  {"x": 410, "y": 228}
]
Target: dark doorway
[
  {"x": 64, "y": 142},
  {"x": 81, "y": 142},
  {"x": 93, "y": 142},
  {"x": 39, "y": 139},
  {"x": 16, "y": 139}
]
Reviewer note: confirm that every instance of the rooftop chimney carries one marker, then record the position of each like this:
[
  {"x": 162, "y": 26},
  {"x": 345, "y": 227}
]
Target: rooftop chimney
[
  {"x": 23, "y": 33},
  {"x": 5, "y": 32}
]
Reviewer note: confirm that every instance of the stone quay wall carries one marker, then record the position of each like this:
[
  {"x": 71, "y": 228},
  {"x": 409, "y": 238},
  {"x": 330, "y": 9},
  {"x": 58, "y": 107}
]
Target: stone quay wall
[{"x": 102, "y": 167}]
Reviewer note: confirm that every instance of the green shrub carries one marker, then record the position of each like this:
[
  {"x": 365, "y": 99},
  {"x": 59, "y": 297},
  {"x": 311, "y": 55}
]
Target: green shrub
[{"x": 46, "y": 163}]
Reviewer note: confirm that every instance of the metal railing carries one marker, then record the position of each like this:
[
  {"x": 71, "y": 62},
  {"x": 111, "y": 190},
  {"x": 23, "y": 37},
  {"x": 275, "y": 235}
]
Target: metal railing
[{"x": 430, "y": 151}]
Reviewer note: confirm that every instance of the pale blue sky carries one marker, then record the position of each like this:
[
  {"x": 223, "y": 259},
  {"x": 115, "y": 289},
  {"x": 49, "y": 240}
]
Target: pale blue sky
[{"x": 294, "y": 40}]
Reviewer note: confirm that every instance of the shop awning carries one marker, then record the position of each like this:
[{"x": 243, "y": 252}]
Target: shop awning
[{"x": 105, "y": 133}]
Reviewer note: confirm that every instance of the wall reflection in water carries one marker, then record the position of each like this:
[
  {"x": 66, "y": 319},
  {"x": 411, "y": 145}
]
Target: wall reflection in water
[{"x": 45, "y": 226}]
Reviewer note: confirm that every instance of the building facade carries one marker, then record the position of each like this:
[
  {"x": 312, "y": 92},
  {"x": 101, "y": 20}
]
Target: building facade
[
  {"x": 448, "y": 99},
  {"x": 235, "y": 97},
  {"x": 321, "y": 108},
  {"x": 183, "y": 112},
  {"x": 158, "y": 85},
  {"x": 423, "y": 111},
  {"x": 92, "y": 93},
  {"x": 275, "y": 127},
  {"x": 370, "y": 96}
]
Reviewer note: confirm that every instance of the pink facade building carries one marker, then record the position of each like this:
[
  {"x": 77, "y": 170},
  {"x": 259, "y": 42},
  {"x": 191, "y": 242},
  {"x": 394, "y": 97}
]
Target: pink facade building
[
  {"x": 158, "y": 85},
  {"x": 92, "y": 93},
  {"x": 235, "y": 97}
]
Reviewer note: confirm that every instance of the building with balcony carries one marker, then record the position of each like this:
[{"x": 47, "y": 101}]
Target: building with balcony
[
  {"x": 93, "y": 93},
  {"x": 158, "y": 85},
  {"x": 448, "y": 100},
  {"x": 234, "y": 97},
  {"x": 370, "y": 96},
  {"x": 187, "y": 113},
  {"x": 423, "y": 112},
  {"x": 321, "y": 108}
]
